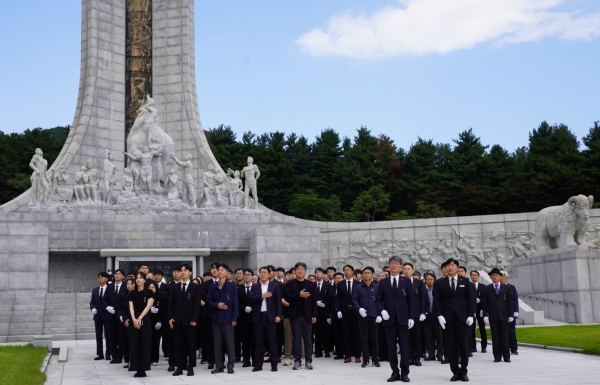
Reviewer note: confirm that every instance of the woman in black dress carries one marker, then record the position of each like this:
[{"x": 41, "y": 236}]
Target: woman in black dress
[
  {"x": 126, "y": 318},
  {"x": 140, "y": 335}
]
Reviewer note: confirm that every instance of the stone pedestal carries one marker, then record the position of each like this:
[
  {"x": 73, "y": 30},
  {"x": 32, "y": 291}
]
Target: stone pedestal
[{"x": 564, "y": 282}]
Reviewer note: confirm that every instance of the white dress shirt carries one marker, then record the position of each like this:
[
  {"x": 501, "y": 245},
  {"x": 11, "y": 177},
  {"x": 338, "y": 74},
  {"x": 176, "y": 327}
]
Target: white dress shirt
[{"x": 264, "y": 287}]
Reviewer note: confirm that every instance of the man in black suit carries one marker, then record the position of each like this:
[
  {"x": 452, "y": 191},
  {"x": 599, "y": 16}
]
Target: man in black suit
[
  {"x": 183, "y": 313},
  {"x": 478, "y": 298},
  {"x": 159, "y": 315},
  {"x": 244, "y": 323},
  {"x": 266, "y": 311},
  {"x": 322, "y": 337},
  {"x": 396, "y": 305},
  {"x": 497, "y": 311},
  {"x": 454, "y": 305},
  {"x": 208, "y": 350},
  {"x": 301, "y": 294},
  {"x": 348, "y": 315},
  {"x": 102, "y": 306},
  {"x": 431, "y": 326},
  {"x": 332, "y": 319},
  {"x": 414, "y": 335},
  {"x": 118, "y": 332}
]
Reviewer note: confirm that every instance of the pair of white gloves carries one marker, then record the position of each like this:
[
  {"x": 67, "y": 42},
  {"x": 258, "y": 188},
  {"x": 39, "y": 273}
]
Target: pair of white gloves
[
  {"x": 386, "y": 316},
  {"x": 442, "y": 321},
  {"x": 487, "y": 320},
  {"x": 109, "y": 309}
]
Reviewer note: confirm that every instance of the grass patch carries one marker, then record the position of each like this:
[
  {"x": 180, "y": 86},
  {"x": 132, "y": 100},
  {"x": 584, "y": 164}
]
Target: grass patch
[
  {"x": 585, "y": 337},
  {"x": 20, "y": 365}
]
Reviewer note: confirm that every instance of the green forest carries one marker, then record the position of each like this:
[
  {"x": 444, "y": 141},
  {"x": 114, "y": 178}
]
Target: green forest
[{"x": 368, "y": 177}]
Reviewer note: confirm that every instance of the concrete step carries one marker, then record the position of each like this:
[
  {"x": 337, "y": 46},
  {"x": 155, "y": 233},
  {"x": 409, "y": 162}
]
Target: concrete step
[
  {"x": 29, "y": 331},
  {"x": 37, "y": 319},
  {"x": 28, "y": 307},
  {"x": 30, "y": 301},
  {"x": 63, "y": 324},
  {"x": 85, "y": 336},
  {"x": 53, "y": 331},
  {"x": 59, "y": 318},
  {"x": 90, "y": 329},
  {"x": 63, "y": 337},
  {"x": 20, "y": 338}
]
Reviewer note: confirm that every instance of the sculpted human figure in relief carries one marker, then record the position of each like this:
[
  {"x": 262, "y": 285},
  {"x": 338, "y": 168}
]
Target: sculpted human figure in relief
[
  {"x": 109, "y": 175},
  {"x": 236, "y": 191},
  {"x": 145, "y": 158},
  {"x": 81, "y": 179},
  {"x": 60, "y": 191},
  {"x": 39, "y": 183},
  {"x": 173, "y": 191},
  {"x": 251, "y": 173},
  {"x": 93, "y": 180},
  {"x": 188, "y": 179}
]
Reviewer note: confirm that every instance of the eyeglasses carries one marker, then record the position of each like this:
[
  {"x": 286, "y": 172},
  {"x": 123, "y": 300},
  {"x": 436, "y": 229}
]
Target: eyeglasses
[
  {"x": 300, "y": 269},
  {"x": 394, "y": 263},
  {"x": 248, "y": 274}
]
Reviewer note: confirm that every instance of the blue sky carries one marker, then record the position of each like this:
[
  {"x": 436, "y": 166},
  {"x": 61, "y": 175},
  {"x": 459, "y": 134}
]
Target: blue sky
[{"x": 410, "y": 68}]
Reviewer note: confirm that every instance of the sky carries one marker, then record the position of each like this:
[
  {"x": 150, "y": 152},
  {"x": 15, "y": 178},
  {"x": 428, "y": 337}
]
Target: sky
[{"x": 407, "y": 69}]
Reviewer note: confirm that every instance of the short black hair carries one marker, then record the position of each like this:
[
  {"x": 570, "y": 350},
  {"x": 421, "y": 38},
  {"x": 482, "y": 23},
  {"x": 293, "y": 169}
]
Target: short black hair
[
  {"x": 247, "y": 270},
  {"x": 409, "y": 264},
  {"x": 350, "y": 266},
  {"x": 338, "y": 273},
  {"x": 224, "y": 266},
  {"x": 271, "y": 268},
  {"x": 144, "y": 264},
  {"x": 319, "y": 269},
  {"x": 464, "y": 268},
  {"x": 103, "y": 274},
  {"x": 122, "y": 272},
  {"x": 176, "y": 268},
  {"x": 369, "y": 268},
  {"x": 452, "y": 260},
  {"x": 417, "y": 273},
  {"x": 474, "y": 271},
  {"x": 207, "y": 274},
  {"x": 230, "y": 271},
  {"x": 280, "y": 269},
  {"x": 215, "y": 265},
  {"x": 300, "y": 264},
  {"x": 131, "y": 272},
  {"x": 331, "y": 268},
  {"x": 357, "y": 271},
  {"x": 429, "y": 275},
  {"x": 238, "y": 269},
  {"x": 266, "y": 268},
  {"x": 158, "y": 272},
  {"x": 187, "y": 266},
  {"x": 443, "y": 265}
]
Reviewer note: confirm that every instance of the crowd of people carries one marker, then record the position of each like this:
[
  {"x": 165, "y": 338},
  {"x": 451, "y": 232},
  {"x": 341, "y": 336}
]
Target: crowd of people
[{"x": 362, "y": 316}]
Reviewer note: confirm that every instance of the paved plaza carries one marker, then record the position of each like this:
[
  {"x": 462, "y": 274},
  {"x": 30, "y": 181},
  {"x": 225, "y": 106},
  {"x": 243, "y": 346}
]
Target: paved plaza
[{"x": 531, "y": 366}]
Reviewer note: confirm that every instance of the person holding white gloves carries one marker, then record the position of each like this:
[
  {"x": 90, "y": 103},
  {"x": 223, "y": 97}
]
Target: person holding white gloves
[
  {"x": 102, "y": 306},
  {"x": 363, "y": 299},
  {"x": 454, "y": 304},
  {"x": 497, "y": 311},
  {"x": 396, "y": 306}
]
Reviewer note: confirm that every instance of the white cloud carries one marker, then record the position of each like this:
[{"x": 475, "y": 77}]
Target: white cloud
[{"x": 439, "y": 26}]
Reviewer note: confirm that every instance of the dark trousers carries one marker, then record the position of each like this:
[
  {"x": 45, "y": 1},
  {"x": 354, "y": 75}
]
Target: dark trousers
[
  {"x": 512, "y": 336},
  {"x": 320, "y": 329},
  {"x": 237, "y": 341},
  {"x": 351, "y": 335},
  {"x": 247, "y": 336},
  {"x": 208, "y": 347},
  {"x": 383, "y": 348},
  {"x": 433, "y": 338},
  {"x": 126, "y": 355},
  {"x": 184, "y": 338},
  {"x": 481, "y": 325},
  {"x": 397, "y": 334},
  {"x": 223, "y": 333},
  {"x": 156, "y": 337},
  {"x": 328, "y": 340},
  {"x": 369, "y": 338},
  {"x": 279, "y": 330},
  {"x": 139, "y": 346},
  {"x": 500, "y": 339},
  {"x": 100, "y": 326},
  {"x": 414, "y": 341},
  {"x": 338, "y": 336},
  {"x": 301, "y": 330},
  {"x": 456, "y": 335},
  {"x": 265, "y": 330},
  {"x": 116, "y": 338}
]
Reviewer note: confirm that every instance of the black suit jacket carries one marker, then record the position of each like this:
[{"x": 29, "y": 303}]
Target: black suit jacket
[
  {"x": 399, "y": 304},
  {"x": 243, "y": 301},
  {"x": 274, "y": 306},
  {"x": 497, "y": 307},
  {"x": 448, "y": 302},
  {"x": 421, "y": 298},
  {"x": 323, "y": 296},
  {"x": 479, "y": 294},
  {"x": 184, "y": 308},
  {"x": 343, "y": 300},
  {"x": 330, "y": 310},
  {"x": 206, "y": 310},
  {"x": 100, "y": 304},
  {"x": 118, "y": 295},
  {"x": 292, "y": 295}
]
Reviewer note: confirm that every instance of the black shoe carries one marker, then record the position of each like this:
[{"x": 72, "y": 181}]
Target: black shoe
[
  {"x": 456, "y": 377},
  {"x": 185, "y": 367},
  {"x": 318, "y": 355},
  {"x": 376, "y": 364},
  {"x": 445, "y": 361},
  {"x": 237, "y": 359},
  {"x": 108, "y": 358},
  {"x": 327, "y": 355},
  {"x": 430, "y": 358},
  {"x": 273, "y": 368},
  {"x": 412, "y": 362},
  {"x": 418, "y": 362},
  {"x": 474, "y": 350},
  {"x": 178, "y": 372},
  {"x": 140, "y": 374},
  {"x": 230, "y": 371},
  {"x": 497, "y": 360},
  {"x": 190, "y": 372},
  {"x": 98, "y": 358},
  {"x": 423, "y": 355},
  {"x": 246, "y": 364},
  {"x": 171, "y": 369},
  {"x": 394, "y": 377},
  {"x": 202, "y": 362},
  {"x": 404, "y": 378},
  {"x": 507, "y": 360},
  {"x": 126, "y": 365},
  {"x": 470, "y": 354},
  {"x": 257, "y": 369},
  {"x": 220, "y": 370},
  {"x": 440, "y": 358},
  {"x": 113, "y": 361},
  {"x": 338, "y": 357},
  {"x": 514, "y": 352},
  {"x": 365, "y": 364},
  {"x": 464, "y": 378},
  {"x": 483, "y": 350},
  {"x": 211, "y": 366}
]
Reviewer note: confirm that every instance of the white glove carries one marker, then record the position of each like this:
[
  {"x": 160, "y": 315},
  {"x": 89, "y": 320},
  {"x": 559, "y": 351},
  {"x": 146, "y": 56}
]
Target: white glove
[
  {"x": 478, "y": 300},
  {"x": 481, "y": 313},
  {"x": 411, "y": 323},
  {"x": 378, "y": 319},
  {"x": 510, "y": 319},
  {"x": 248, "y": 309},
  {"x": 469, "y": 321},
  {"x": 329, "y": 321},
  {"x": 422, "y": 317},
  {"x": 385, "y": 315},
  {"x": 158, "y": 326},
  {"x": 362, "y": 312},
  {"x": 110, "y": 309},
  {"x": 94, "y": 311},
  {"x": 339, "y": 314},
  {"x": 486, "y": 320},
  {"x": 516, "y": 314},
  {"x": 154, "y": 310},
  {"x": 121, "y": 318},
  {"x": 442, "y": 321},
  {"x": 320, "y": 304}
]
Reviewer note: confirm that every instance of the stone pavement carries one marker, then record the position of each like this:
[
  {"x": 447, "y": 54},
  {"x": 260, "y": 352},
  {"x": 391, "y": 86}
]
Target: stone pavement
[{"x": 531, "y": 366}]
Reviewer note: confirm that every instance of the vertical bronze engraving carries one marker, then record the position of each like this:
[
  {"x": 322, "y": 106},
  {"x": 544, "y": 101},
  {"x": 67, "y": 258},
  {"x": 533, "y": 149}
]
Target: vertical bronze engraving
[{"x": 138, "y": 58}]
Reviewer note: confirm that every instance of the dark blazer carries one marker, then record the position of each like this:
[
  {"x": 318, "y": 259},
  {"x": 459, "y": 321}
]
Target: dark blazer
[
  {"x": 206, "y": 310},
  {"x": 498, "y": 307},
  {"x": 323, "y": 296},
  {"x": 479, "y": 294},
  {"x": 184, "y": 308},
  {"x": 243, "y": 301},
  {"x": 446, "y": 301},
  {"x": 515, "y": 296},
  {"x": 330, "y": 311},
  {"x": 118, "y": 295},
  {"x": 399, "y": 304},
  {"x": 364, "y": 297},
  {"x": 292, "y": 295},
  {"x": 229, "y": 296},
  {"x": 100, "y": 304},
  {"x": 274, "y": 306},
  {"x": 161, "y": 302},
  {"x": 343, "y": 300},
  {"x": 421, "y": 298}
]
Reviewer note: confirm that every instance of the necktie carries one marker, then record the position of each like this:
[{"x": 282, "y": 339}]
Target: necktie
[
  {"x": 453, "y": 285},
  {"x": 349, "y": 289},
  {"x": 183, "y": 291},
  {"x": 319, "y": 284},
  {"x": 497, "y": 289},
  {"x": 116, "y": 289},
  {"x": 247, "y": 290},
  {"x": 395, "y": 285},
  {"x": 101, "y": 292}
]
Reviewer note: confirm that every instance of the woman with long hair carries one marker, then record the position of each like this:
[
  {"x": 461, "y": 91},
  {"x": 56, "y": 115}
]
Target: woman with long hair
[
  {"x": 140, "y": 329},
  {"x": 126, "y": 318}
]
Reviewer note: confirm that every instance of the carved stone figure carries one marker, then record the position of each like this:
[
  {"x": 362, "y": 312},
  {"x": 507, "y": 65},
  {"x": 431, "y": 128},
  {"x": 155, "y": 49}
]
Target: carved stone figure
[
  {"x": 109, "y": 175},
  {"x": 173, "y": 191},
  {"x": 145, "y": 158},
  {"x": 127, "y": 180},
  {"x": 81, "y": 179},
  {"x": 236, "y": 191},
  {"x": 39, "y": 181},
  {"x": 251, "y": 173},
  {"x": 211, "y": 186},
  {"x": 93, "y": 180},
  {"x": 188, "y": 179},
  {"x": 59, "y": 189},
  {"x": 523, "y": 249},
  {"x": 564, "y": 226}
]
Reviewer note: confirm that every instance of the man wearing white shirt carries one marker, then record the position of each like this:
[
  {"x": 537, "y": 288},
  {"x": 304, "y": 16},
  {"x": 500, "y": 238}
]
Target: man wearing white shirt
[
  {"x": 323, "y": 340},
  {"x": 244, "y": 325},
  {"x": 102, "y": 307},
  {"x": 118, "y": 332},
  {"x": 478, "y": 298}
]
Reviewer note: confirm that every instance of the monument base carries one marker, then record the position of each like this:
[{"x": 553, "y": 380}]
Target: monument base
[{"x": 565, "y": 283}]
